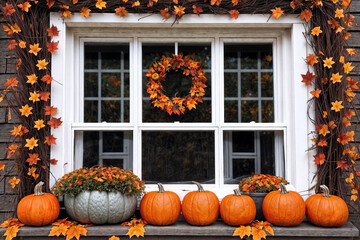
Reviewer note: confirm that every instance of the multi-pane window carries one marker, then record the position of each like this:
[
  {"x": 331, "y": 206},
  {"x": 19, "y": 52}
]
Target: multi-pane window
[{"x": 206, "y": 144}]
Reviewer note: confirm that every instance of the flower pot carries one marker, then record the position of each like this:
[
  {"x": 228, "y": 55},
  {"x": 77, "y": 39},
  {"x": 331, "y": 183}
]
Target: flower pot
[
  {"x": 258, "y": 199},
  {"x": 100, "y": 207}
]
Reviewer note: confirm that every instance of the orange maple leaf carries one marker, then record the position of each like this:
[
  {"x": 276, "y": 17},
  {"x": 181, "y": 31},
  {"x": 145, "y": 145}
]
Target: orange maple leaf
[
  {"x": 319, "y": 159},
  {"x": 25, "y": 110},
  {"x": 34, "y": 96},
  {"x": 34, "y": 49},
  {"x": 215, "y": 2},
  {"x": 22, "y": 44},
  {"x": 11, "y": 150},
  {"x": 121, "y": 11},
  {"x": 322, "y": 143},
  {"x": 308, "y": 78},
  {"x": 137, "y": 230},
  {"x": 52, "y": 46},
  {"x": 343, "y": 139},
  {"x": 11, "y": 232},
  {"x": 33, "y": 158},
  {"x": 41, "y": 64},
  {"x": 242, "y": 231},
  {"x": 277, "y": 12},
  {"x": 100, "y": 4},
  {"x": 114, "y": 238},
  {"x": 2, "y": 166},
  {"x": 50, "y": 110},
  {"x": 197, "y": 10},
  {"x": 348, "y": 68},
  {"x": 339, "y": 13},
  {"x": 257, "y": 233},
  {"x": 336, "y": 78},
  {"x": 11, "y": 82},
  {"x": 53, "y": 31},
  {"x": 39, "y": 124},
  {"x": 53, "y": 161},
  {"x": 316, "y": 93},
  {"x": 337, "y": 106},
  {"x": 306, "y": 15},
  {"x": 311, "y": 59},
  {"x": 352, "y": 51},
  {"x": 179, "y": 11},
  {"x": 54, "y": 122},
  {"x": 25, "y": 6},
  {"x": 13, "y": 182},
  {"x": 165, "y": 13},
  {"x": 50, "y": 140},
  {"x": 31, "y": 143},
  {"x": 8, "y": 9},
  {"x": 316, "y": 31},
  {"x": 234, "y": 14},
  {"x": 32, "y": 79},
  {"x": 342, "y": 165},
  {"x": 85, "y": 12},
  {"x": 44, "y": 96},
  {"x": 12, "y": 44},
  {"x": 75, "y": 231},
  {"x": 47, "y": 78}
]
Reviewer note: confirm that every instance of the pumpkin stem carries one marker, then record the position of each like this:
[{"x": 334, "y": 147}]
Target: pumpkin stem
[
  {"x": 325, "y": 190},
  {"x": 161, "y": 188},
  {"x": 283, "y": 188},
  {"x": 200, "y": 188},
  {"x": 38, "y": 189},
  {"x": 237, "y": 192}
]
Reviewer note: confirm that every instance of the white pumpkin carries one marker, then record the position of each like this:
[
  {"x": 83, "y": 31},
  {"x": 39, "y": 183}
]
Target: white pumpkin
[{"x": 100, "y": 207}]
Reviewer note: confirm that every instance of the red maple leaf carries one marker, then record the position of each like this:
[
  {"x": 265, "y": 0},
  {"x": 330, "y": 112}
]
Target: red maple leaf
[
  {"x": 50, "y": 3},
  {"x": 319, "y": 159},
  {"x": 53, "y": 46},
  {"x": 342, "y": 165},
  {"x": 308, "y": 78},
  {"x": 53, "y": 161},
  {"x": 50, "y": 110},
  {"x": 54, "y": 122},
  {"x": 234, "y": 14},
  {"x": 8, "y": 9},
  {"x": 343, "y": 139},
  {"x": 50, "y": 140},
  {"x": 53, "y": 31},
  {"x": 197, "y": 10},
  {"x": 47, "y": 78},
  {"x": 12, "y": 44},
  {"x": 44, "y": 96}
]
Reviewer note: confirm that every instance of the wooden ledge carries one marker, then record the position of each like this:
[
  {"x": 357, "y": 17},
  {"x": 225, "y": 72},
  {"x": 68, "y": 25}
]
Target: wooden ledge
[{"x": 182, "y": 230}]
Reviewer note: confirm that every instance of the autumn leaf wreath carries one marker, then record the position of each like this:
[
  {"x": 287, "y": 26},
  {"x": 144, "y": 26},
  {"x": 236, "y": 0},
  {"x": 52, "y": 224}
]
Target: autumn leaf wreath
[{"x": 157, "y": 76}]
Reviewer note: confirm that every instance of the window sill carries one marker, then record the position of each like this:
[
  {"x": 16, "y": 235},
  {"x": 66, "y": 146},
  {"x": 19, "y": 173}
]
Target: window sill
[{"x": 182, "y": 230}]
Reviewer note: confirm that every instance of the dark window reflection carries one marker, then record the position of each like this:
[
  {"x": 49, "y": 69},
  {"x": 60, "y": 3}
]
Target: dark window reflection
[{"x": 178, "y": 157}]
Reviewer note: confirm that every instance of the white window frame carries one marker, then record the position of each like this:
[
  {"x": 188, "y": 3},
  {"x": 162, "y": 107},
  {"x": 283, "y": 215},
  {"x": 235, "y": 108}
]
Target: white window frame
[{"x": 290, "y": 95}]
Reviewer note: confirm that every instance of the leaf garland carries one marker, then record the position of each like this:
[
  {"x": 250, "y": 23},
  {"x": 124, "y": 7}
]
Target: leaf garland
[{"x": 328, "y": 22}]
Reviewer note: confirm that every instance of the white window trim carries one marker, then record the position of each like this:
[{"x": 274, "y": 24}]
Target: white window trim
[{"x": 292, "y": 94}]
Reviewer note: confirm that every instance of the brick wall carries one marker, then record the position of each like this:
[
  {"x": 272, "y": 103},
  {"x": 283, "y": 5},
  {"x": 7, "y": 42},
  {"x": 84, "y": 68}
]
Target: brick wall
[{"x": 7, "y": 68}]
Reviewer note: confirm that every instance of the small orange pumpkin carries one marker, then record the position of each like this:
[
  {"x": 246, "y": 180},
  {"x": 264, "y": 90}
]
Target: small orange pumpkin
[
  {"x": 160, "y": 207},
  {"x": 326, "y": 210},
  {"x": 284, "y": 208},
  {"x": 200, "y": 207},
  {"x": 237, "y": 209},
  {"x": 39, "y": 208}
]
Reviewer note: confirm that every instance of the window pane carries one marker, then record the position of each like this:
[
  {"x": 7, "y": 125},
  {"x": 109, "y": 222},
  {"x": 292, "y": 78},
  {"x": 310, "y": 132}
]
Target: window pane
[
  {"x": 178, "y": 157},
  {"x": 248, "y": 69},
  {"x": 251, "y": 152},
  {"x": 176, "y": 83},
  {"x": 106, "y": 81},
  {"x": 107, "y": 148}
]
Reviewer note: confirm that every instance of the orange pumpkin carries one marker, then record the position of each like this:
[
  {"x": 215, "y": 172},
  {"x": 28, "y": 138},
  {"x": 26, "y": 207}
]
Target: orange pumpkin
[
  {"x": 284, "y": 208},
  {"x": 200, "y": 207},
  {"x": 160, "y": 207},
  {"x": 39, "y": 208},
  {"x": 326, "y": 210},
  {"x": 237, "y": 209}
]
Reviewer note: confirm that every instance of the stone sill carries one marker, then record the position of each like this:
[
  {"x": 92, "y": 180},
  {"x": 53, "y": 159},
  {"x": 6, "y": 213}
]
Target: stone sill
[{"x": 182, "y": 230}]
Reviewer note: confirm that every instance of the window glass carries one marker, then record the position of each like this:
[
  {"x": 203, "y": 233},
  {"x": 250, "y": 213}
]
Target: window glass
[
  {"x": 178, "y": 157},
  {"x": 105, "y": 148},
  {"x": 249, "y": 152},
  {"x": 176, "y": 83},
  {"x": 106, "y": 83},
  {"x": 248, "y": 81}
]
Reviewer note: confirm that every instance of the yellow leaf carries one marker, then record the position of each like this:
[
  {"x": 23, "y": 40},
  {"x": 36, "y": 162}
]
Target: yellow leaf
[
  {"x": 75, "y": 231},
  {"x": 11, "y": 232},
  {"x": 114, "y": 238},
  {"x": 316, "y": 31},
  {"x": 242, "y": 231},
  {"x": 258, "y": 234},
  {"x": 277, "y": 12},
  {"x": 269, "y": 230},
  {"x": 137, "y": 230},
  {"x": 42, "y": 64}
]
